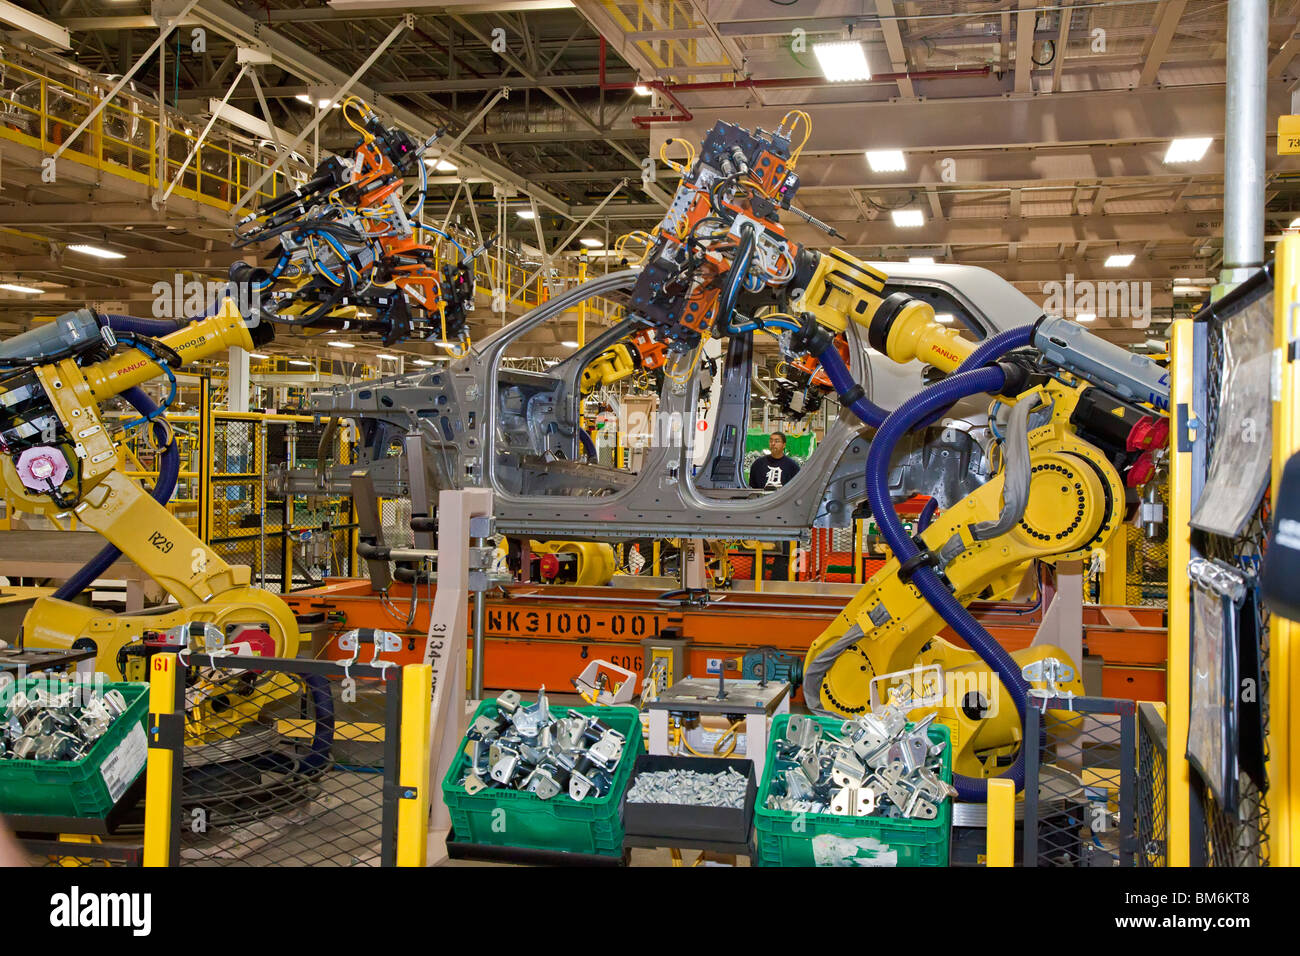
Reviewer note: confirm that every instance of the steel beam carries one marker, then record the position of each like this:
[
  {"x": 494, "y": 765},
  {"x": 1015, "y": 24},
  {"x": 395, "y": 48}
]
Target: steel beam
[{"x": 233, "y": 23}]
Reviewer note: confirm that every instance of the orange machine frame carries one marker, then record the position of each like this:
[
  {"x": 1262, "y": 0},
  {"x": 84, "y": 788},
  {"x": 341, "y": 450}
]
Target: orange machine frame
[{"x": 546, "y": 634}]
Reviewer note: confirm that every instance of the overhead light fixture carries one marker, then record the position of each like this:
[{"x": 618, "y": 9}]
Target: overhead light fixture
[
  {"x": 1295, "y": 224},
  {"x": 389, "y": 358},
  {"x": 525, "y": 214},
  {"x": 1119, "y": 260},
  {"x": 642, "y": 90},
  {"x": 592, "y": 243},
  {"x": 440, "y": 165},
  {"x": 421, "y": 362},
  {"x": 1187, "y": 149},
  {"x": 96, "y": 251},
  {"x": 12, "y": 287},
  {"x": 921, "y": 260},
  {"x": 257, "y": 355},
  {"x": 842, "y": 62},
  {"x": 569, "y": 344},
  {"x": 944, "y": 317},
  {"x": 320, "y": 104},
  {"x": 886, "y": 160},
  {"x": 908, "y": 218},
  {"x": 1085, "y": 316},
  {"x": 343, "y": 345},
  {"x": 299, "y": 362}
]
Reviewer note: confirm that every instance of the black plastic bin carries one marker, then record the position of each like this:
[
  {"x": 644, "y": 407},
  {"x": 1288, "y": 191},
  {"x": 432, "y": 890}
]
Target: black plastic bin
[{"x": 665, "y": 822}]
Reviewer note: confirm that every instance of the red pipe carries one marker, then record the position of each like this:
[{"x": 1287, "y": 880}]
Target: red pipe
[{"x": 686, "y": 116}]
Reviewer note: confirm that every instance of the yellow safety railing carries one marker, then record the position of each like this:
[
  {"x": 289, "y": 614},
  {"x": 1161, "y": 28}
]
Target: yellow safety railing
[{"x": 42, "y": 102}]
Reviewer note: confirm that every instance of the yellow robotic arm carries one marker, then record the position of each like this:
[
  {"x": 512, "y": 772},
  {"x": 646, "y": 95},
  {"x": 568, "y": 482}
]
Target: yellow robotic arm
[{"x": 62, "y": 457}]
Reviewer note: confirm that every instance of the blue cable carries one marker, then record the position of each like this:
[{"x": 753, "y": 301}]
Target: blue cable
[{"x": 171, "y": 395}]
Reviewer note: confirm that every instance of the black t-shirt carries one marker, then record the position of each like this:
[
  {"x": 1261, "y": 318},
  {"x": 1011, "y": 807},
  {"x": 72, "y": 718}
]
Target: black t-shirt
[{"x": 768, "y": 472}]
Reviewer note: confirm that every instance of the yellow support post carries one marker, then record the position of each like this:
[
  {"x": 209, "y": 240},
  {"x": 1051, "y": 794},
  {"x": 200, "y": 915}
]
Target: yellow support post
[
  {"x": 413, "y": 774},
  {"x": 789, "y": 572},
  {"x": 582, "y": 306},
  {"x": 1178, "y": 673},
  {"x": 758, "y": 566},
  {"x": 1284, "y": 723},
  {"x": 857, "y": 550},
  {"x": 656, "y": 567},
  {"x": 206, "y": 453},
  {"x": 163, "y": 770},
  {"x": 1001, "y": 824}
]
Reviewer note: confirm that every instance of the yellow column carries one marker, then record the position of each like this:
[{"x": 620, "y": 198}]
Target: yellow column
[
  {"x": 758, "y": 566},
  {"x": 161, "y": 770},
  {"x": 1177, "y": 672},
  {"x": 857, "y": 550},
  {"x": 1001, "y": 829},
  {"x": 413, "y": 775},
  {"x": 1284, "y": 720}
]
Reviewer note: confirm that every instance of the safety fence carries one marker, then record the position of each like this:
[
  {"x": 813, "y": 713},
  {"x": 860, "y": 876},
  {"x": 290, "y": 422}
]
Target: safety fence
[
  {"x": 294, "y": 763},
  {"x": 224, "y": 496},
  {"x": 1080, "y": 782},
  {"x": 1232, "y": 353},
  {"x": 1152, "y": 786}
]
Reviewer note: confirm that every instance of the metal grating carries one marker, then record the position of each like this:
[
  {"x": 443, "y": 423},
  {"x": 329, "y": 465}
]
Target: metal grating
[
  {"x": 1240, "y": 838},
  {"x": 1079, "y": 782},
  {"x": 1152, "y": 787},
  {"x": 294, "y": 764}
]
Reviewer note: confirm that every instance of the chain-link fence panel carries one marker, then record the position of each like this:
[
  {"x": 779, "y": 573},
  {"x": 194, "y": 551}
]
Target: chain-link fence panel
[
  {"x": 1238, "y": 838},
  {"x": 1079, "y": 782},
  {"x": 1148, "y": 569},
  {"x": 292, "y": 764},
  {"x": 1152, "y": 787}
]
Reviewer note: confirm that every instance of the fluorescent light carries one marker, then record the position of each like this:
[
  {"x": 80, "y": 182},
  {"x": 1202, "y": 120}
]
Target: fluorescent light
[
  {"x": 921, "y": 260},
  {"x": 421, "y": 362},
  {"x": 440, "y": 165},
  {"x": 1295, "y": 224},
  {"x": 96, "y": 251},
  {"x": 343, "y": 345},
  {"x": 299, "y": 362},
  {"x": 570, "y": 344},
  {"x": 1119, "y": 260},
  {"x": 642, "y": 90},
  {"x": 944, "y": 317},
  {"x": 1085, "y": 316},
  {"x": 842, "y": 62},
  {"x": 592, "y": 243},
  {"x": 11, "y": 287},
  {"x": 390, "y": 358},
  {"x": 320, "y": 104},
  {"x": 256, "y": 355},
  {"x": 525, "y": 214},
  {"x": 886, "y": 160},
  {"x": 906, "y": 218},
  {"x": 1187, "y": 149}
]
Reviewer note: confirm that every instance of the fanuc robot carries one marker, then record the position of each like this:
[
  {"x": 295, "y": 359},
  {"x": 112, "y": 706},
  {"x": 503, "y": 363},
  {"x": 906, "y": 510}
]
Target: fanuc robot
[
  {"x": 1080, "y": 418},
  {"x": 59, "y": 455}
]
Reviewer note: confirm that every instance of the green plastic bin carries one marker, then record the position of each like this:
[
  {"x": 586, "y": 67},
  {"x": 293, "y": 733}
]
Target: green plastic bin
[
  {"x": 591, "y": 826},
  {"x": 91, "y": 785},
  {"x": 782, "y": 838}
]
